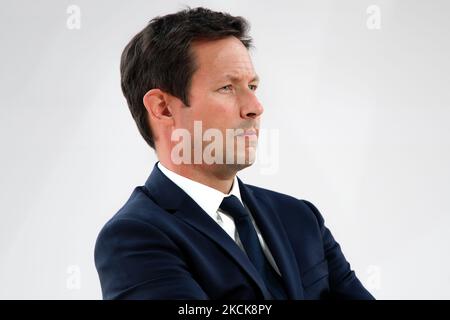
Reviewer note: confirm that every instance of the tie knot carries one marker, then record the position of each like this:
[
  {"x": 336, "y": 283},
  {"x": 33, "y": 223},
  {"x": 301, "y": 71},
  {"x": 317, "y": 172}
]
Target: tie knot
[{"x": 234, "y": 207}]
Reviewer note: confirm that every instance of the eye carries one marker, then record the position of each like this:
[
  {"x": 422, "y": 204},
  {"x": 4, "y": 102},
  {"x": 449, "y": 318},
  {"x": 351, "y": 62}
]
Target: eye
[
  {"x": 226, "y": 88},
  {"x": 253, "y": 87}
]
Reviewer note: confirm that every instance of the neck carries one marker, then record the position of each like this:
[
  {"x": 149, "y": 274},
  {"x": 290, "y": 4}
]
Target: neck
[{"x": 214, "y": 176}]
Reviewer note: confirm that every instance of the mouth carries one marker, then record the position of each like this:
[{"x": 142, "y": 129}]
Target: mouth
[{"x": 245, "y": 133}]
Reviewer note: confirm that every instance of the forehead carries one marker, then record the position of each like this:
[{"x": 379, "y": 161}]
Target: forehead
[{"x": 222, "y": 58}]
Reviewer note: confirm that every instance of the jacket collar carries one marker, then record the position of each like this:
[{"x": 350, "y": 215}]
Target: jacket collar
[{"x": 208, "y": 198}]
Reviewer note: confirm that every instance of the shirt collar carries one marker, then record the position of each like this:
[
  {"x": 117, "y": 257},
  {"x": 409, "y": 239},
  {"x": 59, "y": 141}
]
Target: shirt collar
[{"x": 209, "y": 199}]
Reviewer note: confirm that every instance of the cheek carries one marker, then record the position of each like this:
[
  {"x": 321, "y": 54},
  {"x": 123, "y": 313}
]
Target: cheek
[{"x": 215, "y": 110}]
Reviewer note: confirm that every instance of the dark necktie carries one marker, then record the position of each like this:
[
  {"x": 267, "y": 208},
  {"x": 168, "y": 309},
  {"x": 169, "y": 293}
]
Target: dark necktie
[{"x": 250, "y": 241}]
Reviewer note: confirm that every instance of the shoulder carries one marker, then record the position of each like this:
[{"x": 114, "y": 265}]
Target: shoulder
[
  {"x": 139, "y": 216},
  {"x": 290, "y": 204}
]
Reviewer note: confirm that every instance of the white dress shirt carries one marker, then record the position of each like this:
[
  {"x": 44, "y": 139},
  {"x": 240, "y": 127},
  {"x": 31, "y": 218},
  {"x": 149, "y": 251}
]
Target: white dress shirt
[{"x": 209, "y": 199}]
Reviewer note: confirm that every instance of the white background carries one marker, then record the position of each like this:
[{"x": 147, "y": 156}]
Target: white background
[{"x": 362, "y": 116}]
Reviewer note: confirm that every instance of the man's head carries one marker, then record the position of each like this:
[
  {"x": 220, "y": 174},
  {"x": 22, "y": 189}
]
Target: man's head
[{"x": 191, "y": 66}]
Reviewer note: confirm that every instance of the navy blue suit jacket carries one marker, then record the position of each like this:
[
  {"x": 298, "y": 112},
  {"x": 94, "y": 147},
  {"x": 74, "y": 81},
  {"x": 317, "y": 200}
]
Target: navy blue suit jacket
[{"x": 162, "y": 245}]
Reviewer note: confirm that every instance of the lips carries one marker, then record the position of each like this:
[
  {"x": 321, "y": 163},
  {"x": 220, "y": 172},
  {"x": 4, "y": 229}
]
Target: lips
[{"x": 249, "y": 132}]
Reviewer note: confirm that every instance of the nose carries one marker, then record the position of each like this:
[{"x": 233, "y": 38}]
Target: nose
[{"x": 251, "y": 108}]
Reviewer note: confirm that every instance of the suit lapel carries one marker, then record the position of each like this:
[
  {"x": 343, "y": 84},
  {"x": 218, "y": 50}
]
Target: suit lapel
[
  {"x": 276, "y": 238},
  {"x": 173, "y": 199}
]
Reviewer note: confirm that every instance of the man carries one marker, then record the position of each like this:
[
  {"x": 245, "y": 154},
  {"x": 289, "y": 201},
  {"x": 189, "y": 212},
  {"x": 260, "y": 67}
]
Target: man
[{"x": 195, "y": 230}]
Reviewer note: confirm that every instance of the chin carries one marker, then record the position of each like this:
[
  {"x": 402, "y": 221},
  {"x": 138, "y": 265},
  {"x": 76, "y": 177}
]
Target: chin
[{"x": 249, "y": 160}]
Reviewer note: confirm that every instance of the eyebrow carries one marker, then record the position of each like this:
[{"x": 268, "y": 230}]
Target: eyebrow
[{"x": 235, "y": 79}]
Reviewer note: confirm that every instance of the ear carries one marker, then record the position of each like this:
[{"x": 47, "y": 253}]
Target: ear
[{"x": 158, "y": 108}]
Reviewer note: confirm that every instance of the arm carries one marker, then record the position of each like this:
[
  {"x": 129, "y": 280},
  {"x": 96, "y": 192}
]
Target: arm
[
  {"x": 136, "y": 260},
  {"x": 343, "y": 282}
]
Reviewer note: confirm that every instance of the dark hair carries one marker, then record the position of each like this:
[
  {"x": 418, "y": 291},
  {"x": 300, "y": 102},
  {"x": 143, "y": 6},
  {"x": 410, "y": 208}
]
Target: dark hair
[{"x": 160, "y": 57}]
